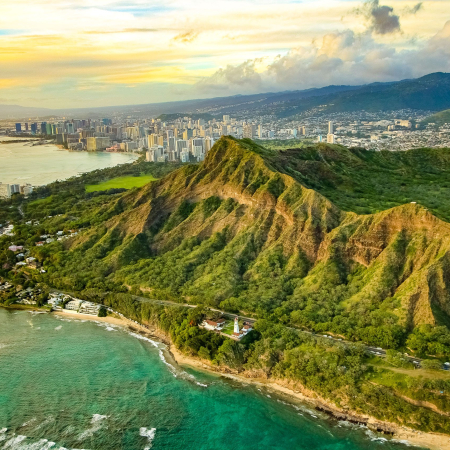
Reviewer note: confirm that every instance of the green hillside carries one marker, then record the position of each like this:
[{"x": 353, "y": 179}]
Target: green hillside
[
  {"x": 244, "y": 231},
  {"x": 321, "y": 238},
  {"x": 439, "y": 118},
  {"x": 366, "y": 182}
]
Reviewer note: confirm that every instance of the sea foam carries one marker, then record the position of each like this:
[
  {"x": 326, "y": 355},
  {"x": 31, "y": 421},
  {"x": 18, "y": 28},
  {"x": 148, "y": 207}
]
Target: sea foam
[
  {"x": 149, "y": 434},
  {"x": 173, "y": 370},
  {"x": 96, "y": 423}
]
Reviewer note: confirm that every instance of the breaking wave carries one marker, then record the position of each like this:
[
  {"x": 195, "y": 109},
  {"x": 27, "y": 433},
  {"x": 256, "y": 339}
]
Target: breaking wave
[
  {"x": 173, "y": 370},
  {"x": 149, "y": 434},
  {"x": 96, "y": 423}
]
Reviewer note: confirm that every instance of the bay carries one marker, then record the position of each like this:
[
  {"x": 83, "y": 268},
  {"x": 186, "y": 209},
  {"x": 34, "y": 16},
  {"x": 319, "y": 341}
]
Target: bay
[
  {"x": 72, "y": 384},
  {"x": 22, "y": 163}
]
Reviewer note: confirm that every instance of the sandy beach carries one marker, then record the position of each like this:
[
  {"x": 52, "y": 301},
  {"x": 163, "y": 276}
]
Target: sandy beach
[{"x": 432, "y": 441}]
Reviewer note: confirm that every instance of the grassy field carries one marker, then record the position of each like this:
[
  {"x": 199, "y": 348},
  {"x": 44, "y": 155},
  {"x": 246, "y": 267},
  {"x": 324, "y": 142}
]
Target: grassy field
[
  {"x": 121, "y": 183},
  {"x": 229, "y": 327}
]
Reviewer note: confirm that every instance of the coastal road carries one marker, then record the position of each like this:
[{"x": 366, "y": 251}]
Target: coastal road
[
  {"x": 187, "y": 305},
  {"x": 377, "y": 351}
]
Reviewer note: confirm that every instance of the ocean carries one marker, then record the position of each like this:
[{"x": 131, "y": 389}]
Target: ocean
[
  {"x": 66, "y": 383},
  {"x": 21, "y": 163}
]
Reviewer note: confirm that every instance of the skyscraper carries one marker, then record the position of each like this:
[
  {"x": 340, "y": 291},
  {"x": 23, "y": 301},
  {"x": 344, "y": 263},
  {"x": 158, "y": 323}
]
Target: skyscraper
[
  {"x": 18, "y": 127},
  {"x": 187, "y": 134},
  {"x": 249, "y": 130},
  {"x": 330, "y": 128}
]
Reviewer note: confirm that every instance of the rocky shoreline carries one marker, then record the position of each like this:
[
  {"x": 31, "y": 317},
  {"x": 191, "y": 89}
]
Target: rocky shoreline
[{"x": 290, "y": 391}]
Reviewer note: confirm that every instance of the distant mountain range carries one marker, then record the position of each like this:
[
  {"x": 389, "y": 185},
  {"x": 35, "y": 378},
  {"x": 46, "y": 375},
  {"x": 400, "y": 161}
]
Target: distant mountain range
[{"x": 431, "y": 92}]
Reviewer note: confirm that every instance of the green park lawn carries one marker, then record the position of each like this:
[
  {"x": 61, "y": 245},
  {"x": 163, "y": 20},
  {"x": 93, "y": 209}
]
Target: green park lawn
[
  {"x": 121, "y": 183},
  {"x": 229, "y": 327}
]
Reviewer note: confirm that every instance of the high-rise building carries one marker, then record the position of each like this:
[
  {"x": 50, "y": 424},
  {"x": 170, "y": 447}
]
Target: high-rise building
[
  {"x": 184, "y": 156},
  {"x": 48, "y": 128},
  {"x": 209, "y": 142},
  {"x": 155, "y": 154},
  {"x": 260, "y": 131},
  {"x": 98, "y": 143},
  {"x": 224, "y": 130},
  {"x": 5, "y": 190},
  {"x": 182, "y": 145},
  {"x": 330, "y": 138},
  {"x": 330, "y": 128},
  {"x": 34, "y": 128},
  {"x": 43, "y": 127},
  {"x": 226, "y": 119},
  {"x": 18, "y": 127},
  {"x": 171, "y": 144},
  {"x": 249, "y": 130},
  {"x": 187, "y": 134}
]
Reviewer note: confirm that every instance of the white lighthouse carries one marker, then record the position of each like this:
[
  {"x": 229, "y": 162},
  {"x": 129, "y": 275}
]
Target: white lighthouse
[{"x": 236, "y": 325}]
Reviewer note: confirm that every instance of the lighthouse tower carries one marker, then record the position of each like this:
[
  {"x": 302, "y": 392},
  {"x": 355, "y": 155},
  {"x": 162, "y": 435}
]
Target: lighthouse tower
[{"x": 236, "y": 325}]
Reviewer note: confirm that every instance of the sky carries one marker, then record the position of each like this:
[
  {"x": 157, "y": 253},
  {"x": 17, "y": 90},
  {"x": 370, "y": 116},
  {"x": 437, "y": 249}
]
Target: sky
[{"x": 87, "y": 53}]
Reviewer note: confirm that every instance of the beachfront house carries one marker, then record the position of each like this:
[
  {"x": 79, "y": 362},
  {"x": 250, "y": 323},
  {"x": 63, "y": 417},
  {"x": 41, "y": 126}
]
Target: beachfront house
[
  {"x": 89, "y": 308},
  {"x": 73, "y": 305}
]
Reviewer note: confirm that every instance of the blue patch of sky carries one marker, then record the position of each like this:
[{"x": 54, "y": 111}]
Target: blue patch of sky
[
  {"x": 9, "y": 32},
  {"x": 138, "y": 11}
]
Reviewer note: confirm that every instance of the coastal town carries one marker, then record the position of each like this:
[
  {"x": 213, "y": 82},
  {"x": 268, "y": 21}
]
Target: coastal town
[
  {"x": 235, "y": 329},
  {"x": 182, "y": 138}
]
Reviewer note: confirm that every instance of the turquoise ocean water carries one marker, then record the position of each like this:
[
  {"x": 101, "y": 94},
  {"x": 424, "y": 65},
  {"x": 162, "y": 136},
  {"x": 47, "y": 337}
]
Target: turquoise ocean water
[
  {"x": 42, "y": 164},
  {"x": 71, "y": 384}
]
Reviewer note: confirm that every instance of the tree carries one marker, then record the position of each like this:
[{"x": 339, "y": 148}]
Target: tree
[
  {"x": 231, "y": 353},
  {"x": 204, "y": 353},
  {"x": 431, "y": 364}
]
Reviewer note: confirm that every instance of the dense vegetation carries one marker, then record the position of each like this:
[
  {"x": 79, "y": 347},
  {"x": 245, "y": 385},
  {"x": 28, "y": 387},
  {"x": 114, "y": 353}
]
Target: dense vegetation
[
  {"x": 132, "y": 241},
  {"x": 438, "y": 119},
  {"x": 365, "y": 181},
  {"x": 337, "y": 372},
  {"x": 243, "y": 232},
  {"x": 430, "y": 92}
]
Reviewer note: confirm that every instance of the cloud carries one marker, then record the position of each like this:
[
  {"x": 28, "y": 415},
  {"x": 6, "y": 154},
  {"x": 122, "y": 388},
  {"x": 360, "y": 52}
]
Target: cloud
[
  {"x": 242, "y": 76},
  {"x": 414, "y": 9},
  {"x": 381, "y": 17},
  {"x": 126, "y": 30},
  {"x": 339, "y": 58},
  {"x": 186, "y": 37}
]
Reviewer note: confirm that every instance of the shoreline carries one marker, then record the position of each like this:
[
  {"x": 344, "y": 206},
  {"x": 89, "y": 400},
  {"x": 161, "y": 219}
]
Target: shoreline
[{"x": 432, "y": 441}]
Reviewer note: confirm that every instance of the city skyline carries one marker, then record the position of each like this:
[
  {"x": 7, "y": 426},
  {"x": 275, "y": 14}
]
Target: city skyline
[{"x": 108, "y": 52}]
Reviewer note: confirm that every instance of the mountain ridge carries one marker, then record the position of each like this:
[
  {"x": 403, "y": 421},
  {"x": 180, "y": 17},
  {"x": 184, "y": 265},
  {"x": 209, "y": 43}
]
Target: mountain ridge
[
  {"x": 430, "y": 92},
  {"x": 236, "y": 233}
]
